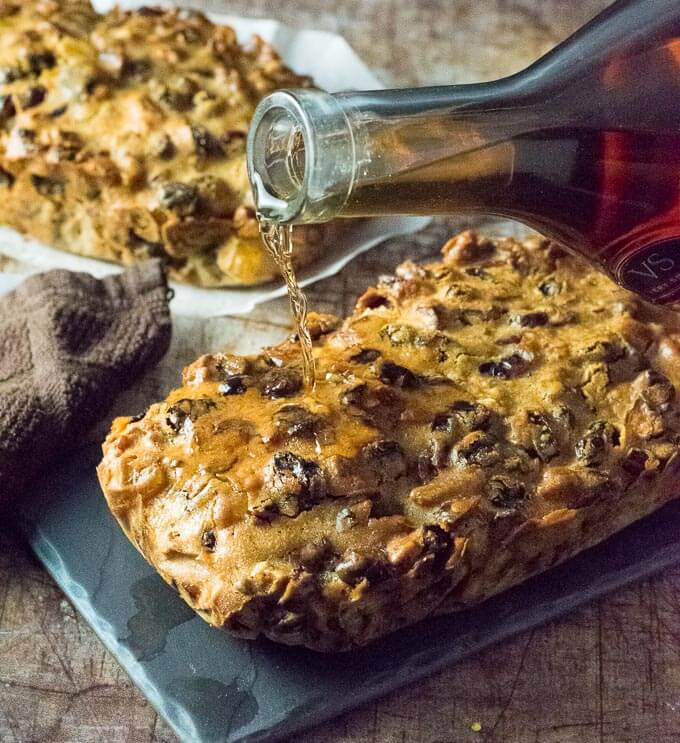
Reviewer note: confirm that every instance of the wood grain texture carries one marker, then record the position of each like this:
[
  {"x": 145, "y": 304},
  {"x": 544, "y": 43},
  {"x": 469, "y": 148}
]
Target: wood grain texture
[{"x": 609, "y": 673}]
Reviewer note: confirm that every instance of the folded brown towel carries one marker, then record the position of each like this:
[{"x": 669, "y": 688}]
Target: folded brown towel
[{"x": 68, "y": 344}]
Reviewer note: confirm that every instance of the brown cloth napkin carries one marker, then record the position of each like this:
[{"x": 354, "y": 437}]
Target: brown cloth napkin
[{"x": 68, "y": 344}]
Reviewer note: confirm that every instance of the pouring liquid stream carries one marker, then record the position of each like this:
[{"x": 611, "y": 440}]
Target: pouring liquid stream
[{"x": 278, "y": 239}]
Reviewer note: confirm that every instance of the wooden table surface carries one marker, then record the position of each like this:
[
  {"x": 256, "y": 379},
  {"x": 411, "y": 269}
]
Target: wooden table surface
[{"x": 609, "y": 672}]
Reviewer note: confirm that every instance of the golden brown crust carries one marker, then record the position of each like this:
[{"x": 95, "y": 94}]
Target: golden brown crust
[
  {"x": 123, "y": 136},
  {"x": 474, "y": 422}
]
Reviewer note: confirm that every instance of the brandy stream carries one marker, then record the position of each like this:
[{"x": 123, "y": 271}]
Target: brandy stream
[{"x": 278, "y": 239}]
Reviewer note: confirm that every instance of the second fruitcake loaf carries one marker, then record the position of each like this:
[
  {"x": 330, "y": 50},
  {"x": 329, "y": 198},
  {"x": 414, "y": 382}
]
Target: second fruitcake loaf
[{"x": 122, "y": 136}]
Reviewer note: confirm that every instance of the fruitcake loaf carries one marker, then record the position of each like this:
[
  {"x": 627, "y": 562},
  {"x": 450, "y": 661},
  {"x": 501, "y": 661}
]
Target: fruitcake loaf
[
  {"x": 474, "y": 422},
  {"x": 122, "y": 136}
]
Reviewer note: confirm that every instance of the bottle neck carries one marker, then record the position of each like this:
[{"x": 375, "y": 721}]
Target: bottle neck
[
  {"x": 441, "y": 150},
  {"x": 432, "y": 150},
  {"x": 314, "y": 156}
]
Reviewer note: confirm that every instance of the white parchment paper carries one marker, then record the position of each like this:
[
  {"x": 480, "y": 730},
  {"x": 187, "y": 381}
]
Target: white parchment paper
[{"x": 334, "y": 66}]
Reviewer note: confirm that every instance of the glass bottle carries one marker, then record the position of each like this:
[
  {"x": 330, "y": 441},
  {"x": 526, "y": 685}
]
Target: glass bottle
[{"x": 583, "y": 145}]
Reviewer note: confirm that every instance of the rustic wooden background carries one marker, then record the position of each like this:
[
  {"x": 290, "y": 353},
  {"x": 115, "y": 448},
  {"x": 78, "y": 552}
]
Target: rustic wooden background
[{"x": 609, "y": 672}]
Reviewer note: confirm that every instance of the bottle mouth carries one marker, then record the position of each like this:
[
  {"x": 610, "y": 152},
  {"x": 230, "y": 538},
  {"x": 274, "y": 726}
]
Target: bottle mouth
[
  {"x": 278, "y": 161},
  {"x": 277, "y": 157},
  {"x": 300, "y": 154}
]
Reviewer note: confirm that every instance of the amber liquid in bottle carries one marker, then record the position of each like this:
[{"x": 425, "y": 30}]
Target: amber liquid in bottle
[{"x": 584, "y": 146}]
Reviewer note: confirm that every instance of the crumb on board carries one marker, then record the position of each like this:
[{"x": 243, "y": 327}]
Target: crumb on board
[{"x": 476, "y": 727}]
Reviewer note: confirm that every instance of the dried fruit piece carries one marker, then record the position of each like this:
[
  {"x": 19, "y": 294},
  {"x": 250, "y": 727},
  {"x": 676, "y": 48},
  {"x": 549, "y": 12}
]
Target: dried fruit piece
[
  {"x": 292, "y": 484},
  {"x": 423, "y": 551},
  {"x": 161, "y": 145},
  {"x": 34, "y": 96},
  {"x": 355, "y": 567},
  {"x": 365, "y": 356},
  {"x": 508, "y": 367},
  {"x": 7, "y": 108},
  {"x": 463, "y": 415},
  {"x": 656, "y": 390},
  {"x": 6, "y": 178},
  {"x": 209, "y": 540},
  {"x": 295, "y": 421},
  {"x": 177, "y": 94},
  {"x": 47, "y": 186},
  {"x": 187, "y": 409},
  {"x": 39, "y": 61},
  {"x": 397, "y": 376},
  {"x": 205, "y": 143},
  {"x": 505, "y": 493},
  {"x": 377, "y": 405},
  {"x": 179, "y": 197},
  {"x": 531, "y": 319},
  {"x": 234, "y": 384},
  {"x": 282, "y": 382},
  {"x": 593, "y": 446},
  {"x": 543, "y": 439},
  {"x": 477, "y": 448}
]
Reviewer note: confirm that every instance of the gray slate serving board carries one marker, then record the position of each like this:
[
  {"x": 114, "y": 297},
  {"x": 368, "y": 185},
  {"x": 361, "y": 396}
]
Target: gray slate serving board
[{"x": 211, "y": 687}]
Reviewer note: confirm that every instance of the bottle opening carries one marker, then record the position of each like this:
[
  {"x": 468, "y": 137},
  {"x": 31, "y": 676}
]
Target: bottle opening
[
  {"x": 279, "y": 157},
  {"x": 300, "y": 154}
]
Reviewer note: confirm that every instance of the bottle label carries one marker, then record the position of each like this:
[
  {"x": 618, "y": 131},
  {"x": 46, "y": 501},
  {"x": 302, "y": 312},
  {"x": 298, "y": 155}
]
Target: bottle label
[{"x": 653, "y": 271}]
